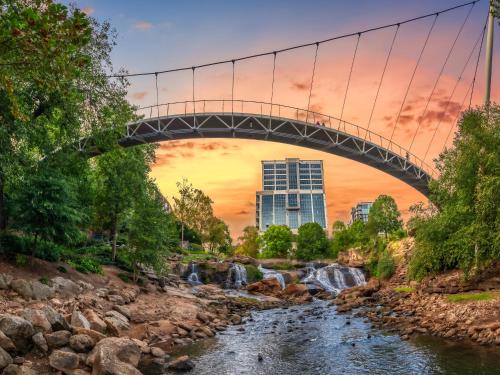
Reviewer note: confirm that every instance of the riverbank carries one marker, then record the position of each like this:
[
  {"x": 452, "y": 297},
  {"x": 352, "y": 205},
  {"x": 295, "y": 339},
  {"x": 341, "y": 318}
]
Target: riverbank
[
  {"x": 444, "y": 305},
  {"x": 79, "y": 324}
]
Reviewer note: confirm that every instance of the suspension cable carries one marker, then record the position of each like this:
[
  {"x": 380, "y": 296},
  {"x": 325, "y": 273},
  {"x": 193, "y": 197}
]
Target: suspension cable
[
  {"x": 194, "y": 103},
  {"x": 413, "y": 74},
  {"x": 349, "y": 78},
  {"x": 312, "y": 80},
  {"x": 477, "y": 64},
  {"x": 232, "y": 97},
  {"x": 298, "y": 46},
  {"x": 382, "y": 78},
  {"x": 272, "y": 88},
  {"x": 459, "y": 79},
  {"x": 439, "y": 77},
  {"x": 157, "y": 99}
]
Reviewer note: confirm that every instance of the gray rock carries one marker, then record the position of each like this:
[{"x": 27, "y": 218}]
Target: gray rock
[
  {"x": 117, "y": 299},
  {"x": 115, "y": 325},
  {"x": 96, "y": 323},
  {"x": 37, "y": 319},
  {"x": 64, "y": 361},
  {"x": 19, "y": 330},
  {"x": 5, "y": 359},
  {"x": 58, "y": 339},
  {"x": 41, "y": 291},
  {"x": 5, "y": 281},
  {"x": 66, "y": 287},
  {"x": 157, "y": 352},
  {"x": 125, "y": 311},
  {"x": 79, "y": 320},
  {"x": 22, "y": 287},
  {"x": 40, "y": 342},
  {"x": 182, "y": 363},
  {"x": 6, "y": 343},
  {"x": 81, "y": 343},
  {"x": 117, "y": 315},
  {"x": 115, "y": 356},
  {"x": 55, "y": 319}
]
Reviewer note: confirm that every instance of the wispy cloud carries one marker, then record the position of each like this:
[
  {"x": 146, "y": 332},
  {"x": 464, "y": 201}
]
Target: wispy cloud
[
  {"x": 139, "y": 95},
  {"x": 143, "y": 25},
  {"x": 88, "y": 10}
]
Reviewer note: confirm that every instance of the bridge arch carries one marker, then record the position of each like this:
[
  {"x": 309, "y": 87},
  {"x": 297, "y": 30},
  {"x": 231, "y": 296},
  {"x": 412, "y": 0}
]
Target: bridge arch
[{"x": 277, "y": 123}]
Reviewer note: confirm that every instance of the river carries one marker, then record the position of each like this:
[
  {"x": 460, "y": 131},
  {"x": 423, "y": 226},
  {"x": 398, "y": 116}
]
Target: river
[{"x": 314, "y": 339}]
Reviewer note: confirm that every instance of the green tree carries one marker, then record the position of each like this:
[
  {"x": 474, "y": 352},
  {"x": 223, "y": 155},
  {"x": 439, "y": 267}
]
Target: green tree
[
  {"x": 152, "y": 233},
  {"x": 218, "y": 237},
  {"x": 277, "y": 241},
  {"x": 311, "y": 242},
  {"x": 384, "y": 216},
  {"x": 45, "y": 208},
  {"x": 464, "y": 231},
  {"x": 249, "y": 242},
  {"x": 121, "y": 178}
]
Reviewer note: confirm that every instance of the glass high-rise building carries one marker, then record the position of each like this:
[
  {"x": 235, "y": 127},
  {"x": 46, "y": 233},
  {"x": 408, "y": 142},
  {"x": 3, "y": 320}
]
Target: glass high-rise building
[
  {"x": 360, "y": 211},
  {"x": 292, "y": 194}
]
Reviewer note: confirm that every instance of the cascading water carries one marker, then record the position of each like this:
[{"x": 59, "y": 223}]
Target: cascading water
[
  {"x": 270, "y": 274},
  {"x": 193, "y": 277},
  {"x": 237, "y": 276},
  {"x": 334, "y": 278}
]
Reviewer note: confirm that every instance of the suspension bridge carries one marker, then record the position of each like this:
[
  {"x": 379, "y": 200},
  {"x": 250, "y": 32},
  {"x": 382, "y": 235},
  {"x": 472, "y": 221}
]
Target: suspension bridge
[{"x": 268, "y": 120}]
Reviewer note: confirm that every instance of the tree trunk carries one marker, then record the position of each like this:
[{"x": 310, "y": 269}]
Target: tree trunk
[
  {"x": 3, "y": 213},
  {"x": 182, "y": 234},
  {"x": 33, "y": 249},
  {"x": 114, "y": 236}
]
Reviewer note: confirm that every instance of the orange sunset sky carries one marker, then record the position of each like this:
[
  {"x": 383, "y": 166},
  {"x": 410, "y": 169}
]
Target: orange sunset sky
[{"x": 160, "y": 35}]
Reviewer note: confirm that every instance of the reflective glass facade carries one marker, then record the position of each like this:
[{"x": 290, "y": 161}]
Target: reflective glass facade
[
  {"x": 361, "y": 211},
  {"x": 292, "y": 194}
]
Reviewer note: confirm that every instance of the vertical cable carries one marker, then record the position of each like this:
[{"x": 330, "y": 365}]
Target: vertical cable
[
  {"x": 413, "y": 74},
  {"x": 439, "y": 77},
  {"x": 232, "y": 98},
  {"x": 312, "y": 80},
  {"x": 272, "y": 88},
  {"x": 157, "y": 99},
  {"x": 382, "y": 78},
  {"x": 194, "y": 106},
  {"x": 349, "y": 78}
]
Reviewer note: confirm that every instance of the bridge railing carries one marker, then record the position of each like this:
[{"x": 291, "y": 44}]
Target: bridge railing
[{"x": 284, "y": 112}]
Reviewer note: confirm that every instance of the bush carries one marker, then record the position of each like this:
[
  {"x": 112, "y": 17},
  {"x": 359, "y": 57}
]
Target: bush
[
  {"x": 48, "y": 251},
  {"x": 124, "y": 277},
  {"x": 44, "y": 280},
  {"x": 311, "y": 242},
  {"x": 385, "y": 266},
  {"x": 22, "y": 260},
  {"x": 62, "y": 269},
  {"x": 253, "y": 273},
  {"x": 195, "y": 248},
  {"x": 86, "y": 264}
]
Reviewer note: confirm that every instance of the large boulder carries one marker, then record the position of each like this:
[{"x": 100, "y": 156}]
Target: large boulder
[
  {"x": 269, "y": 287},
  {"x": 96, "y": 323},
  {"x": 81, "y": 343},
  {"x": 55, "y": 319},
  {"x": 5, "y": 359},
  {"x": 22, "y": 287},
  {"x": 38, "y": 320},
  {"x": 41, "y": 291},
  {"x": 115, "y": 356},
  {"x": 64, "y": 361},
  {"x": 6, "y": 343},
  {"x": 79, "y": 320},
  {"x": 40, "y": 342},
  {"x": 19, "y": 330},
  {"x": 5, "y": 281},
  {"x": 66, "y": 287},
  {"x": 298, "y": 293},
  {"x": 58, "y": 339}
]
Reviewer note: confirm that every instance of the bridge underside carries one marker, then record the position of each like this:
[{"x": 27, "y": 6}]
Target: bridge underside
[{"x": 275, "y": 129}]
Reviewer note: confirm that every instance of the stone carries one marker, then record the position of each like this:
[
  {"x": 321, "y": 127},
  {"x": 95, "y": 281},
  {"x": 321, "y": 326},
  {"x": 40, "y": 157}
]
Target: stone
[
  {"x": 157, "y": 352},
  {"x": 66, "y": 287},
  {"x": 201, "y": 316},
  {"x": 22, "y": 287},
  {"x": 115, "y": 356},
  {"x": 38, "y": 320},
  {"x": 19, "y": 330},
  {"x": 5, "y": 281},
  {"x": 123, "y": 310},
  {"x": 117, "y": 315},
  {"x": 41, "y": 291},
  {"x": 96, "y": 323},
  {"x": 182, "y": 363},
  {"x": 116, "y": 298},
  {"x": 55, "y": 319},
  {"x": 115, "y": 325},
  {"x": 79, "y": 320},
  {"x": 6, "y": 343},
  {"x": 81, "y": 343},
  {"x": 270, "y": 287},
  {"x": 5, "y": 359},
  {"x": 96, "y": 336},
  {"x": 40, "y": 342},
  {"x": 58, "y": 339},
  {"x": 64, "y": 361}
]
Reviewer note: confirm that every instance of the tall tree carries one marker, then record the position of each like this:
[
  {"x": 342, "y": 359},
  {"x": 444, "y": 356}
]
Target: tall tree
[
  {"x": 218, "y": 237},
  {"x": 311, "y": 242},
  {"x": 249, "y": 242},
  {"x": 121, "y": 179},
  {"x": 277, "y": 241},
  {"x": 384, "y": 216}
]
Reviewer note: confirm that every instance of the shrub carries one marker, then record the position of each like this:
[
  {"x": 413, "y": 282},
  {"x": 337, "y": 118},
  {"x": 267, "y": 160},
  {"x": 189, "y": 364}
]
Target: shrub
[
  {"x": 124, "y": 277},
  {"x": 62, "y": 269},
  {"x": 86, "y": 264},
  {"x": 44, "y": 280},
  {"x": 22, "y": 260},
  {"x": 48, "y": 251},
  {"x": 195, "y": 248},
  {"x": 311, "y": 242},
  {"x": 385, "y": 266},
  {"x": 253, "y": 273}
]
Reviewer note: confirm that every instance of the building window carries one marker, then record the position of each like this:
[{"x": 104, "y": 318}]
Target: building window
[
  {"x": 319, "y": 209},
  {"x": 306, "y": 214},
  {"x": 293, "y": 201},
  {"x": 267, "y": 211},
  {"x": 280, "y": 209}
]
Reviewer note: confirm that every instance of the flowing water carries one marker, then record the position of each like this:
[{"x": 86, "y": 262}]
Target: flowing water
[
  {"x": 333, "y": 278},
  {"x": 271, "y": 274},
  {"x": 313, "y": 339},
  {"x": 193, "y": 277},
  {"x": 237, "y": 276}
]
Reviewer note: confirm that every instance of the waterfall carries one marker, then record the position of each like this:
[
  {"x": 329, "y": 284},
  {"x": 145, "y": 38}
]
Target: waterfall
[
  {"x": 334, "y": 278},
  {"x": 271, "y": 274},
  {"x": 193, "y": 277},
  {"x": 237, "y": 276}
]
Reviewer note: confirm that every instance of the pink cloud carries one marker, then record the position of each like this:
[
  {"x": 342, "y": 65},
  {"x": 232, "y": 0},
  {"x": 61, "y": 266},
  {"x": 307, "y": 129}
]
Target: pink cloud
[
  {"x": 88, "y": 10},
  {"x": 143, "y": 25}
]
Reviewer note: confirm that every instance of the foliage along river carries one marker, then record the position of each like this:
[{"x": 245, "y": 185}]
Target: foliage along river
[{"x": 313, "y": 339}]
